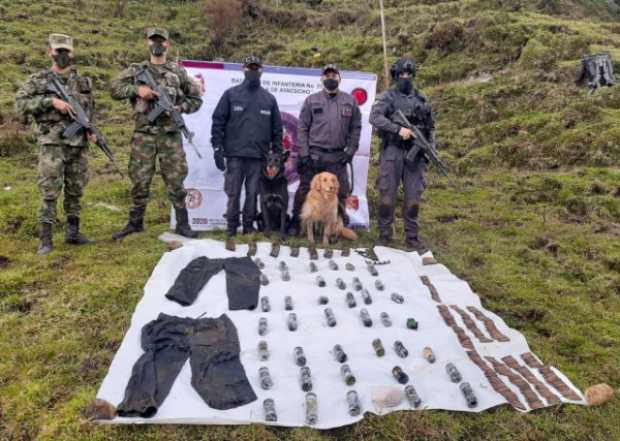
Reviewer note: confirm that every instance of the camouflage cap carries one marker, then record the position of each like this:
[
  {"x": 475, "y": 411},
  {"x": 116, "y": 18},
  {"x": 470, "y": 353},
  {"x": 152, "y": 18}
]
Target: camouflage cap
[
  {"x": 330, "y": 67},
  {"x": 157, "y": 32},
  {"x": 60, "y": 41}
]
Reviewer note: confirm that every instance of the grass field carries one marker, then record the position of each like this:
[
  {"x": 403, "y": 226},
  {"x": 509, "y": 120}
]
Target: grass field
[{"x": 532, "y": 219}]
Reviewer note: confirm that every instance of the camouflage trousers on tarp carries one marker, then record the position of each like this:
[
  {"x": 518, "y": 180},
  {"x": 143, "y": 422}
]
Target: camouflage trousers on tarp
[
  {"x": 146, "y": 150},
  {"x": 61, "y": 166}
]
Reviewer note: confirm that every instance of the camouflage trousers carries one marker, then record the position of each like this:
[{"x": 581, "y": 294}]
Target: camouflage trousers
[
  {"x": 392, "y": 171},
  {"x": 146, "y": 150},
  {"x": 61, "y": 166}
]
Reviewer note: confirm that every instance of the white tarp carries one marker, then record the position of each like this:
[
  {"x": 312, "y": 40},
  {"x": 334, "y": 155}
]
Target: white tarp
[
  {"x": 290, "y": 86},
  {"x": 184, "y": 406}
]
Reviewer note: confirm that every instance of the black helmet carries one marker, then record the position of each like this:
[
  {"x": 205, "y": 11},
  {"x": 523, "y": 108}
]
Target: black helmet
[
  {"x": 252, "y": 59},
  {"x": 403, "y": 65}
]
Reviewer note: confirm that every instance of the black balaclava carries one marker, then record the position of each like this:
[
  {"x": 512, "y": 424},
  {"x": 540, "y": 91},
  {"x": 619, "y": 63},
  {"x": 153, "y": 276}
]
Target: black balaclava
[
  {"x": 62, "y": 58},
  {"x": 404, "y": 85},
  {"x": 331, "y": 84},
  {"x": 157, "y": 49},
  {"x": 253, "y": 78}
]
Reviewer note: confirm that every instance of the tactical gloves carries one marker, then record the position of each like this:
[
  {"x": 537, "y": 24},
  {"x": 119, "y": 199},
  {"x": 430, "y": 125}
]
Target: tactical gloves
[{"x": 218, "y": 155}]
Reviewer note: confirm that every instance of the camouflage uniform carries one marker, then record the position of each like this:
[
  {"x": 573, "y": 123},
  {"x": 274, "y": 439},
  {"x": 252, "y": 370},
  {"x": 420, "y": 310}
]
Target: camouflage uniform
[
  {"x": 160, "y": 140},
  {"x": 62, "y": 162}
]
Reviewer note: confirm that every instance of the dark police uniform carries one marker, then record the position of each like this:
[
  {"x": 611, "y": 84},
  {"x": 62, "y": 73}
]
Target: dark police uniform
[
  {"x": 246, "y": 123},
  {"x": 392, "y": 167}
]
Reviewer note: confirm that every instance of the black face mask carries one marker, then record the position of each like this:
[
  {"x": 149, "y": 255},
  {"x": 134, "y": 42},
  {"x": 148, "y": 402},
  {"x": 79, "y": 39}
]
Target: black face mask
[
  {"x": 253, "y": 78},
  {"x": 404, "y": 85},
  {"x": 331, "y": 84},
  {"x": 157, "y": 49},
  {"x": 62, "y": 59}
]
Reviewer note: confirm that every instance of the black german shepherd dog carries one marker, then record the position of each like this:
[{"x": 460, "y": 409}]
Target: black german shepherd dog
[{"x": 273, "y": 188}]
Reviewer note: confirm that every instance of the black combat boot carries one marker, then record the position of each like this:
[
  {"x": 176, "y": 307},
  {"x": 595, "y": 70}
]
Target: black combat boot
[
  {"x": 415, "y": 244},
  {"x": 294, "y": 227},
  {"x": 183, "y": 227},
  {"x": 72, "y": 232},
  {"x": 45, "y": 235},
  {"x": 248, "y": 228},
  {"x": 134, "y": 225},
  {"x": 385, "y": 239}
]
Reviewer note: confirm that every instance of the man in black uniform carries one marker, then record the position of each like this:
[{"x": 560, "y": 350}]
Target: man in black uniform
[
  {"x": 395, "y": 166},
  {"x": 246, "y": 123},
  {"x": 328, "y": 135}
]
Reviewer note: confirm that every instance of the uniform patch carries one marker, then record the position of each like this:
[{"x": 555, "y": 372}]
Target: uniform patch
[
  {"x": 347, "y": 110},
  {"x": 237, "y": 109},
  {"x": 265, "y": 112}
]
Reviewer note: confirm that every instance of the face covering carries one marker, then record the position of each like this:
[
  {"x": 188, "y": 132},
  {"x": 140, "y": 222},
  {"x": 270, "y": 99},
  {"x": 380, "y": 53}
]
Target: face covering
[
  {"x": 157, "y": 49},
  {"x": 330, "y": 84},
  {"x": 62, "y": 59},
  {"x": 253, "y": 78},
  {"x": 404, "y": 85}
]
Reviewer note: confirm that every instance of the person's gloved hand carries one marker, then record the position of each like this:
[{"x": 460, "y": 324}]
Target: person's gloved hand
[
  {"x": 304, "y": 163},
  {"x": 218, "y": 155},
  {"x": 347, "y": 156}
]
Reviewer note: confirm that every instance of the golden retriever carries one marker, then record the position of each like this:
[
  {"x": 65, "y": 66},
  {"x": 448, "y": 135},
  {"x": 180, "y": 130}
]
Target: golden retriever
[{"x": 321, "y": 209}]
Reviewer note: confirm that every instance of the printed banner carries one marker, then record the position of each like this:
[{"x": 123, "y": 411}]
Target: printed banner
[{"x": 206, "y": 200}]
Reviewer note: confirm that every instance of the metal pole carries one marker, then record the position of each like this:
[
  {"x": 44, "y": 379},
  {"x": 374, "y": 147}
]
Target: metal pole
[{"x": 385, "y": 61}]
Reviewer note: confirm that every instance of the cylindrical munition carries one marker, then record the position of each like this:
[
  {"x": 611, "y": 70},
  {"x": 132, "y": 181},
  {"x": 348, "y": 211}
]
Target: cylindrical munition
[
  {"x": 320, "y": 281},
  {"x": 300, "y": 357},
  {"x": 323, "y": 300},
  {"x": 263, "y": 279},
  {"x": 292, "y": 321},
  {"x": 332, "y": 265},
  {"x": 339, "y": 354},
  {"x": 264, "y": 304},
  {"x": 294, "y": 251},
  {"x": 275, "y": 249},
  {"x": 349, "y": 266},
  {"x": 269, "y": 407},
  {"x": 312, "y": 409},
  {"x": 263, "y": 351},
  {"x": 453, "y": 372},
  {"x": 372, "y": 270},
  {"x": 265, "y": 379},
  {"x": 400, "y": 349},
  {"x": 365, "y": 318},
  {"x": 282, "y": 265},
  {"x": 397, "y": 298},
  {"x": 351, "y": 303},
  {"x": 331, "y": 318},
  {"x": 340, "y": 283},
  {"x": 314, "y": 255},
  {"x": 328, "y": 253},
  {"x": 400, "y": 375},
  {"x": 252, "y": 249},
  {"x": 412, "y": 396},
  {"x": 354, "y": 403},
  {"x": 345, "y": 252},
  {"x": 412, "y": 323},
  {"x": 366, "y": 296},
  {"x": 262, "y": 326},
  {"x": 347, "y": 375},
  {"x": 230, "y": 244},
  {"x": 379, "y": 285},
  {"x": 313, "y": 267},
  {"x": 428, "y": 354},
  {"x": 285, "y": 275},
  {"x": 378, "y": 347},
  {"x": 305, "y": 379},
  {"x": 259, "y": 263},
  {"x": 357, "y": 285},
  {"x": 386, "y": 320},
  {"x": 288, "y": 303},
  {"x": 469, "y": 395}
]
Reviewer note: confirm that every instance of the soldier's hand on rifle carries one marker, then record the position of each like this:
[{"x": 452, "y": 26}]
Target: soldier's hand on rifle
[
  {"x": 406, "y": 133},
  {"x": 63, "y": 106},
  {"x": 145, "y": 92},
  {"x": 92, "y": 138}
]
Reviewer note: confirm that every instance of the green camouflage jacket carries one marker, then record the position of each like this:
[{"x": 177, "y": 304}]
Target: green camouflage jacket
[
  {"x": 183, "y": 91},
  {"x": 34, "y": 102}
]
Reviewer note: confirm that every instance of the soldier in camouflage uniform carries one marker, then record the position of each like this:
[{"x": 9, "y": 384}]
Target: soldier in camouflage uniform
[
  {"x": 396, "y": 141},
  {"x": 160, "y": 140},
  {"x": 62, "y": 161}
]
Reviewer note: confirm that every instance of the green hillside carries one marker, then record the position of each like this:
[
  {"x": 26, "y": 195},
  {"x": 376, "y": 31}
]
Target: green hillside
[{"x": 531, "y": 220}]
